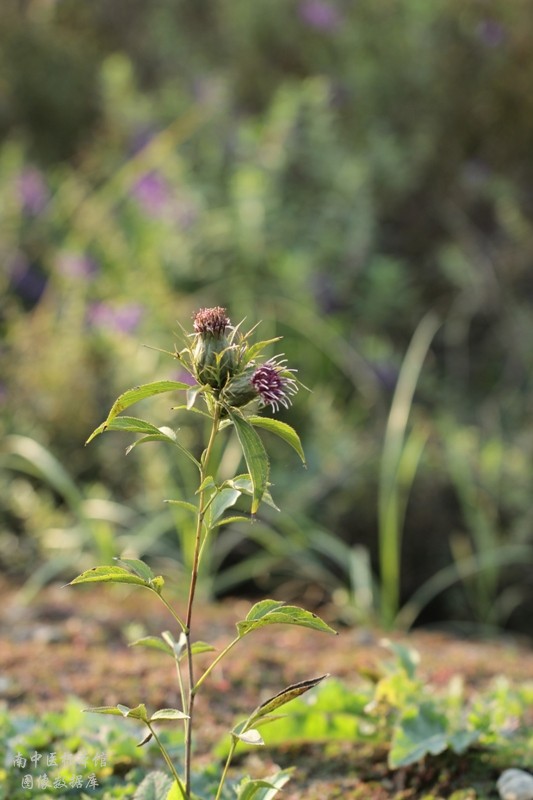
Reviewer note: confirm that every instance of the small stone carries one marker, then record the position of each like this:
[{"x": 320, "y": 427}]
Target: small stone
[{"x": 515, "y": 784}]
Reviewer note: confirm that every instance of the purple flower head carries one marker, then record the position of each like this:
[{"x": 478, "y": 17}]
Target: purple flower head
[
  {"x": 152, "y": 193},
  {"x": 320, "y": 15},
  {"x": 211, "y": 321},
  {"x": 73, "y": 265},
  {"x": 491, "y": 33},
  {"x": 273, "y": 383},
  {"x": 33, "y": 191},
  {"x": 123, "y": 318}
]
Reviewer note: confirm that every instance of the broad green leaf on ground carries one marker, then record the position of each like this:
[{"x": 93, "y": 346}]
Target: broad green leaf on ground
[
  {"x": 271, "y": 612},
  {"x": 283, "y": 697},
  {"x": 425, "y": 730},
  {"x": 280, "y": 429},
  {"x": 117, "y": 575},
  {"x": 255, "y": 456},
  {"x": 133, "y": 396},
  {"x": 154, "y": 786}
]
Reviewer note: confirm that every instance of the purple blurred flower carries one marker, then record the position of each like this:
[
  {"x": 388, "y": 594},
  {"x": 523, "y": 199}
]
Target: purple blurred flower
[
  {"x": 491, "y": 32},
  {"x": 122, "y": 318},
  {"x": 320, "y": 15},
  {"x": 33, "y": 191},
  {"x": 74, "y": 265},
  {"x": 152, "y": 193},
  {"x": 27, "y": 280}
]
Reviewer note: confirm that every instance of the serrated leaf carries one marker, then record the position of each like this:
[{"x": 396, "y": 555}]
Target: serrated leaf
[
  {"x": 154, "y": 643},
  {"x": 168, "y": 713},
  {"x": 113, "y": 710},
  {"x": 255, "y": 456},
  {"x": 281, "y": 429},
  {"x": 132, "y": 396},
  {"x": 283, "y": 697},
  {"x": 109, "y": 575},
  {"x": 272, "y": 612},
  {"x": 250, "y": 737},
  {"x": 138, "y": 567},
  {"x": 154, "y": 786}
]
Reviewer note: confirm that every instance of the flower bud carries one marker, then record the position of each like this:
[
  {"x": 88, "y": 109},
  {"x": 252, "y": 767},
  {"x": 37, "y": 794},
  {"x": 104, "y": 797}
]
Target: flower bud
[
  {"x": 271, "y": 383},
  {"x": 214, "y": 357}
]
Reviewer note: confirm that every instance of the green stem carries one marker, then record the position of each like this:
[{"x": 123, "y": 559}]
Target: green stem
[
  {"x": 184, "y": 791},
  {"x": 171, "y": 610},
  {"x": 192, "y": 590},
  {"x": 219, "y": 658},
  {"x": 226, "y": 767}
]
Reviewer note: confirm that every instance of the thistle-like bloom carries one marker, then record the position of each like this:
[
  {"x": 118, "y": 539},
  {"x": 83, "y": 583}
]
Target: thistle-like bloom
[
  {"x": 211, "y": 321},
  {"x": 214, "y": 355},
  {"x": 273, "y": 383}
]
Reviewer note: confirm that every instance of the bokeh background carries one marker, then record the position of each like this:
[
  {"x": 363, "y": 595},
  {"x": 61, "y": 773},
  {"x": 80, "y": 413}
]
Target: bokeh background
[{"x": 357, "y": 175}]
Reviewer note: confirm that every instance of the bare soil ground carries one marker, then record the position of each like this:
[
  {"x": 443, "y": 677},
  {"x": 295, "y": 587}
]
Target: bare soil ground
[{"x": 73, "y": 641}]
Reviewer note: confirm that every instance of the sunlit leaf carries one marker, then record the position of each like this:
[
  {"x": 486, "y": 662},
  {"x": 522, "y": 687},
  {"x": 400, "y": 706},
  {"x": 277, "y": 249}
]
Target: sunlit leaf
[
  {"x": 283, "y": 697},
  {"x": 138, "y": 567},
  {"x": 183, "y": 504},
  {"x": 280, "y": 429},
  {"x": 139, "y": 712},
  {"x": 255, "y": 456},
  {"x": 168, "y": 713},
  {"x": 109, "y": 575},
  {"x": 250, "y": 737},
  {"x": 154, "y": 643},
  {"x": 270, "y": 612},
  {"x": 133, "y": 396},
  {"x": 113, "y": 710},
  {"x": 154, "y": 786},
  {"x": 228, "y": 520}
]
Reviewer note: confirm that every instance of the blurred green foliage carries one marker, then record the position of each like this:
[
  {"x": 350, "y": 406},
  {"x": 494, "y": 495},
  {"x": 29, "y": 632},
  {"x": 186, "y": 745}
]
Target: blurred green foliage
[{"x": 336, "y": 169}]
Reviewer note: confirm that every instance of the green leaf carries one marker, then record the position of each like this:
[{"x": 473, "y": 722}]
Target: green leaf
[
  {"x": 138, "y": 567},
  {"x": 139, "y": 712},
  {"x": 250, "y": 736},
  {"x": 244, "y": 484},
  {"x": 283, "y": 697},
  {"x": 201, "y": 647},
  {"x": 255, "y": 456},
  {"x": 154, "y": 643},
  {"x": 228, "y": 520},
  {"x": 164, "y": 435},
  {"x": 280, "y": 429},
  {"x": 255, "y": 349},
  {"x": 183, "y": 504},
  {"x": 168, "y": 713},
  {"x": 421, "y": 731},
  {"x": 145, "y": 739},
  {"x": 113, "y": 710},
  {"x": 133, "y": 396},
  {"x": 109, "y": 575},
  {"x": 153, "y": 787},
  {"x": 270, "y": 612},
  {"x": 223, "y": 500},
  {"x": 263, "y": 789}
]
